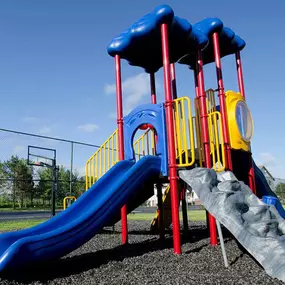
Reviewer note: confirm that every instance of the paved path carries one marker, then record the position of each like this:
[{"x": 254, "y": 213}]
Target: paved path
[
  {"x": 27, "y": 215},
  {"x": 35, "y": 215}
]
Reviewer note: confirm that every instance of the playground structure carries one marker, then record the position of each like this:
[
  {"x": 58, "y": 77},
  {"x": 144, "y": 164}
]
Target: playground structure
[
  {"x": 121, "y": 174},
  {"x": 205, "y": 138}
]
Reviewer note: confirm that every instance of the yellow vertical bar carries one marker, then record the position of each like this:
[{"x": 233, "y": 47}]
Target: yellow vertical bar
[
  {"x": 178, "y": 132},
  {"x": 117, "y": 146},
  {"x": 89, "y": 174},
  {"x": 113, "y": 151},
  {"x": 217, "y": 141},
  {"x": 143, "y": 145},
  {"x": 100, "y": 165},
  {"x": 197, "y": 132},
  {"x": 153, "y": 143},
  {"x": 105, "y": 159},
  {"x": 109, "y": 153},
  {"x": 139, "y": 149},
  {"x": 175, "y": 132},
  {"x": 191, "y": 132},
  {"x": 92, "y": 171},
  {"x": 147, "y": 143},
  {"x": 184, "y": 132},
  {"x": 212, "y": 144},
  {"x": 86, "y": 175},
  {"x": 97, "y": 166},
  {"x": 221, "y": 141},
  {"x": 175, "y": 127}
]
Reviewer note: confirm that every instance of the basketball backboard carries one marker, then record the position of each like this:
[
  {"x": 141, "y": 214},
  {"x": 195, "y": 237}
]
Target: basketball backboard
[{"x": 41, "y": 156}]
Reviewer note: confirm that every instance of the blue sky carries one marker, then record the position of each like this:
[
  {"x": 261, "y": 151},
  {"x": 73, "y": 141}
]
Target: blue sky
[{"x": 56, "y": 78}]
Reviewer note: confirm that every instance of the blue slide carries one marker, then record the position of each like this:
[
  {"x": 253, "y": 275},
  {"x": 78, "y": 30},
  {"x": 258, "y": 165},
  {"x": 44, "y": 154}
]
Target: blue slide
[
  {"x": 82, "y": 220},
  {"x": 264, "y": 191}
]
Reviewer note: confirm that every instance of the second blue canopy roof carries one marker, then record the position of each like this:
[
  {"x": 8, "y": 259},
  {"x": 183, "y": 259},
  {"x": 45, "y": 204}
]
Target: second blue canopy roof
[{"x": 228, "y": 40}]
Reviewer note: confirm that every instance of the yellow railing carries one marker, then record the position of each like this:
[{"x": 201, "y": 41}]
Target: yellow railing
[
  {"x": 215, "y": 133},
  {"x": 187, "y": 131},
  {"x": 107, "y": 155},
  {"x": 145, "y": 144},
  {"x": 71, "y": 198},
  {"x": 184, "y": 132},
  {"x": 198, "y": 133},
  {"x": 216, "y": 141},
  {"x": 102, "y": 160},
  {"x": 211, "y": 100}
]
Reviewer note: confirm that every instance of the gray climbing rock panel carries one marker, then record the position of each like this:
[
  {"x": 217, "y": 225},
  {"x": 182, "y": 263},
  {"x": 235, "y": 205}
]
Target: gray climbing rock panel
[{"x": 258, "y": 227}]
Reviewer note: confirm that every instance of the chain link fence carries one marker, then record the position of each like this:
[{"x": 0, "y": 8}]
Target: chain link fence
[{"x": 27, "y": 186}]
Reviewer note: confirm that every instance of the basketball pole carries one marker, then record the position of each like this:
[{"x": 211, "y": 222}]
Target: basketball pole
[
  {"x": 54, "y": 188},
  {"x": 71, "y": 169}
]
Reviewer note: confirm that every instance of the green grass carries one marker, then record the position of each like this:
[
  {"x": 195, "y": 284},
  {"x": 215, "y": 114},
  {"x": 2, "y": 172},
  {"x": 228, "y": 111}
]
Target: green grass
[
  {"x": 197, "y": 215},
  {"x": 17, "y": 225},
  {"x": 27, "y": 209}
]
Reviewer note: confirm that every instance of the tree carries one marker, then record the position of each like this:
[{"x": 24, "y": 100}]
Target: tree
[
  {"x": 44, "y": 186},
  {"x": 280, "y": 191},
  {"x": 78, "y": 184},
  {"x": 63, "y": 187},
  {"x": 17, "y": 176}
]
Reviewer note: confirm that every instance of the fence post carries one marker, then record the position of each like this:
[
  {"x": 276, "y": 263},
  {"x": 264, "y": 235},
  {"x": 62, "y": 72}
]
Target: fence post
[{"x": 71, "y": 169}]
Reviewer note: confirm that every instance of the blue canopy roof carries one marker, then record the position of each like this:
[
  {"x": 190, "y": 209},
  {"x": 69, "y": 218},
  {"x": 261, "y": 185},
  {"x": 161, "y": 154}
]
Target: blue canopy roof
[
  {"x": 229, "y": 41},
  {"x": 140, "y": 44}
]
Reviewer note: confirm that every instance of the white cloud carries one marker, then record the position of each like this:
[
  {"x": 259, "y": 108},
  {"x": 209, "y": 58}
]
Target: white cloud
[
  {"x": 19, "y": 149},
  {"x": 81, "y": 170},
  {"x": 267, "y": 159},
  {"x": 109, "y": 89},
  {"x": 113, "y": 115},
  {"x": 45, "y": 130},
  {"x": 29, "y": 119},
  {"x": 89, "y": 128},
  {"x": 135, "y": 88},
  {"x": 274, "y": 166}
]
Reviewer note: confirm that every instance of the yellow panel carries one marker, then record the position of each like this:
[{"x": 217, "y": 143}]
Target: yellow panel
[
  {"x": 216, "y": 141},
  {"x": 236, "y": 140},
  {"x": 184, "y": 132}
]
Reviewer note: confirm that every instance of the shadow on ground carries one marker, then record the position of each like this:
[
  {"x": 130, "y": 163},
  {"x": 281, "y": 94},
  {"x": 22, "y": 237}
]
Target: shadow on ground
[{"x": 80, "y": 263}]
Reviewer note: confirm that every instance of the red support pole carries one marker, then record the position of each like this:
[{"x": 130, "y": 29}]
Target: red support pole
[
  {"x": 196, "y": 84},
  {"x": 239, "y": 73},
  {"x": 251, "y": 175},
  {"x": 203, "y": 109},
  {"x": 221, "y": 95},
  {"x": 158, "y": 186},
  {"x": 170, "y": 139},
  {"x": 152, "y": 88},
  {"x": 205, "y": 132},
  {"x": 120, "y": 123},
  {"x": 173, "y": 80},
  {"x": 251, "y": 178}
]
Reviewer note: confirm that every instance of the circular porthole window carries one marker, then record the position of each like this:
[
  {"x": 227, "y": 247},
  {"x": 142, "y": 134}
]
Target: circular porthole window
[{"x": 244, "y": 120}]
